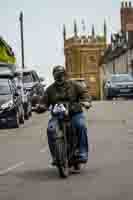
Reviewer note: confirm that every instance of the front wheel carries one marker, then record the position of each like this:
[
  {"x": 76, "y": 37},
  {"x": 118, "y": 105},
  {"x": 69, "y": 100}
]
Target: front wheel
[
  {"x": 30, "y": 109},
  {"x": 16, "y": 120},
  {"x": 26, "y": 116},
  {"x": 77, "y": 167},
  {"x": 61, "y": 157},
  {"x": 63, "y": 171},
  {"x": 21, "y": 119}
]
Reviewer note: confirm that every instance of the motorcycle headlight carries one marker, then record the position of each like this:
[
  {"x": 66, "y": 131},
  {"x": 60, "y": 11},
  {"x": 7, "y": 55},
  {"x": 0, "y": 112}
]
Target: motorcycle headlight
[{"x": 8, "y": 104}]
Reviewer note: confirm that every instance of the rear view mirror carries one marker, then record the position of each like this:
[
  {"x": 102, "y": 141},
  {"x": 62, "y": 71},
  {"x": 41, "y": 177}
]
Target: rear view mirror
[{"x": 42, "y": 80}]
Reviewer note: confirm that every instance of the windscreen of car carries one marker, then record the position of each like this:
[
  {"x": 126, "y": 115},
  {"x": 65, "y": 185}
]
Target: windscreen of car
[
  {"x": 27, "y": 77},
  {"x": 4, "y": 87},
  {"x": 122, "y": 78}
]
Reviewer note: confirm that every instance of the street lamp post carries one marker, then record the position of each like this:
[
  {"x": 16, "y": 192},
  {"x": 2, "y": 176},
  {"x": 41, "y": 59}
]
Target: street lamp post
[
  {"x": 22, "y": 54},
  {"x": 22, "y": 38}
]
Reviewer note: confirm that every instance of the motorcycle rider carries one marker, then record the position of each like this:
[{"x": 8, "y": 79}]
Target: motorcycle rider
[{"x": 70, "y": 91}]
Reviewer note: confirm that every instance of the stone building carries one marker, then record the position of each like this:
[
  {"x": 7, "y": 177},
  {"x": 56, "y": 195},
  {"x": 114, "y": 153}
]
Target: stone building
[
  {"x": 126, "y": 17},
  {"x": 119, "y": 54},
  {"x": 118, "y": 57},
  {"x": 82, "y": 56}
]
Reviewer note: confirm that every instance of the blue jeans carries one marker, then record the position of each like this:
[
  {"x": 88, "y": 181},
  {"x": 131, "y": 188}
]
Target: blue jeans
[{"x": 79, "y": 123}]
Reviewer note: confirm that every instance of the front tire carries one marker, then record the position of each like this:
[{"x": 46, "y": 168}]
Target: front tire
[
  {"x": 26, "y": 115},
  {"x": 30, "y": 110},
  {"x": 27, "y": 111},
  {"x": 77, "y": 167},
  {"x": 61, "y": 157},
  {"x": 21, "y": 120},
  {"x": 64, "y": 170},
  {"x": 30, "y": 113},
  {"x": 16, "y": 120}
]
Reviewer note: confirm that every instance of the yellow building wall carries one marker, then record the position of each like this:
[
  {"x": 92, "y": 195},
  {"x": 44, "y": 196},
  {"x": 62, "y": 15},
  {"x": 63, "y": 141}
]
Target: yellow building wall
[
  {"x": 5, "y": 55},
  {"x": 82, "y": 60}
]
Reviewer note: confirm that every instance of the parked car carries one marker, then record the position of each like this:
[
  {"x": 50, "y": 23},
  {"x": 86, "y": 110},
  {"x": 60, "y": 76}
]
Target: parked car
[
  {"x": 8, "y": 71},
  {"x": 11, "y": 108},
  {"x": 26, "y": 97},
  {"x": 7, "y": 67},
  {"x": 43, "y": 82},
  {"x": 32, "y": 83},
  {"x": 118, "y": 85}
]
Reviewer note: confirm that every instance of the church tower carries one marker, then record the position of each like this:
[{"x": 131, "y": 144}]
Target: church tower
[{"x": 82, "y": 57}]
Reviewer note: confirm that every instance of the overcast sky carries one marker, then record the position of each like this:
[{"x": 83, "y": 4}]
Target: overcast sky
[{"x": 43, "y": 21}]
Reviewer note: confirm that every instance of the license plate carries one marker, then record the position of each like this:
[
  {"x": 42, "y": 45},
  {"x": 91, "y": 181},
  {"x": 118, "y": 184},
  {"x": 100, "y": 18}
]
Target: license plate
[{"x": 124, "y": 90}]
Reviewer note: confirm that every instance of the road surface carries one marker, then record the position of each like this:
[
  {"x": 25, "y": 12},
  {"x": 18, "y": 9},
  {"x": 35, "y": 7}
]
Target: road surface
[{"x": 26, "y": 173}]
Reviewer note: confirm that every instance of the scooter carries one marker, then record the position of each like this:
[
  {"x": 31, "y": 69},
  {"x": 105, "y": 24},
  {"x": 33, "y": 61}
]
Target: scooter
[{"x": 66, "y": 141}]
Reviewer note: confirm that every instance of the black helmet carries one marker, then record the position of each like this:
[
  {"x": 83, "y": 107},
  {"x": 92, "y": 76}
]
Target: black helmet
[
  {"x": 58, "y": 69},
  {"x": 59, "y": 74}
]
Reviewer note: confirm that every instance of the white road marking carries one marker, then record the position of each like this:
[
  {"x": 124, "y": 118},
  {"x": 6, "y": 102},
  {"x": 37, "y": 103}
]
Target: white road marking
[
  {"x": 9, "y": 169},
  {"x": 5, "y": 171}
]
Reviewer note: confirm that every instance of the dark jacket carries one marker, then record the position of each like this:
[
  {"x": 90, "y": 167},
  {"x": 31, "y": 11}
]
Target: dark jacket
[{"x": 71, "y": 92}]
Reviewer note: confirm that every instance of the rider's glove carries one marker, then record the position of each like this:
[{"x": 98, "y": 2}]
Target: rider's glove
[{"x": 86, "y": 104}]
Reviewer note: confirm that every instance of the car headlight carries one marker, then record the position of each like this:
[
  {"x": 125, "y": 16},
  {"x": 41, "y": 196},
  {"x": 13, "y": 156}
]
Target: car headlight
[
  {"x": 110, "y": 85},
  {"x": 8, "y": 104}
]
